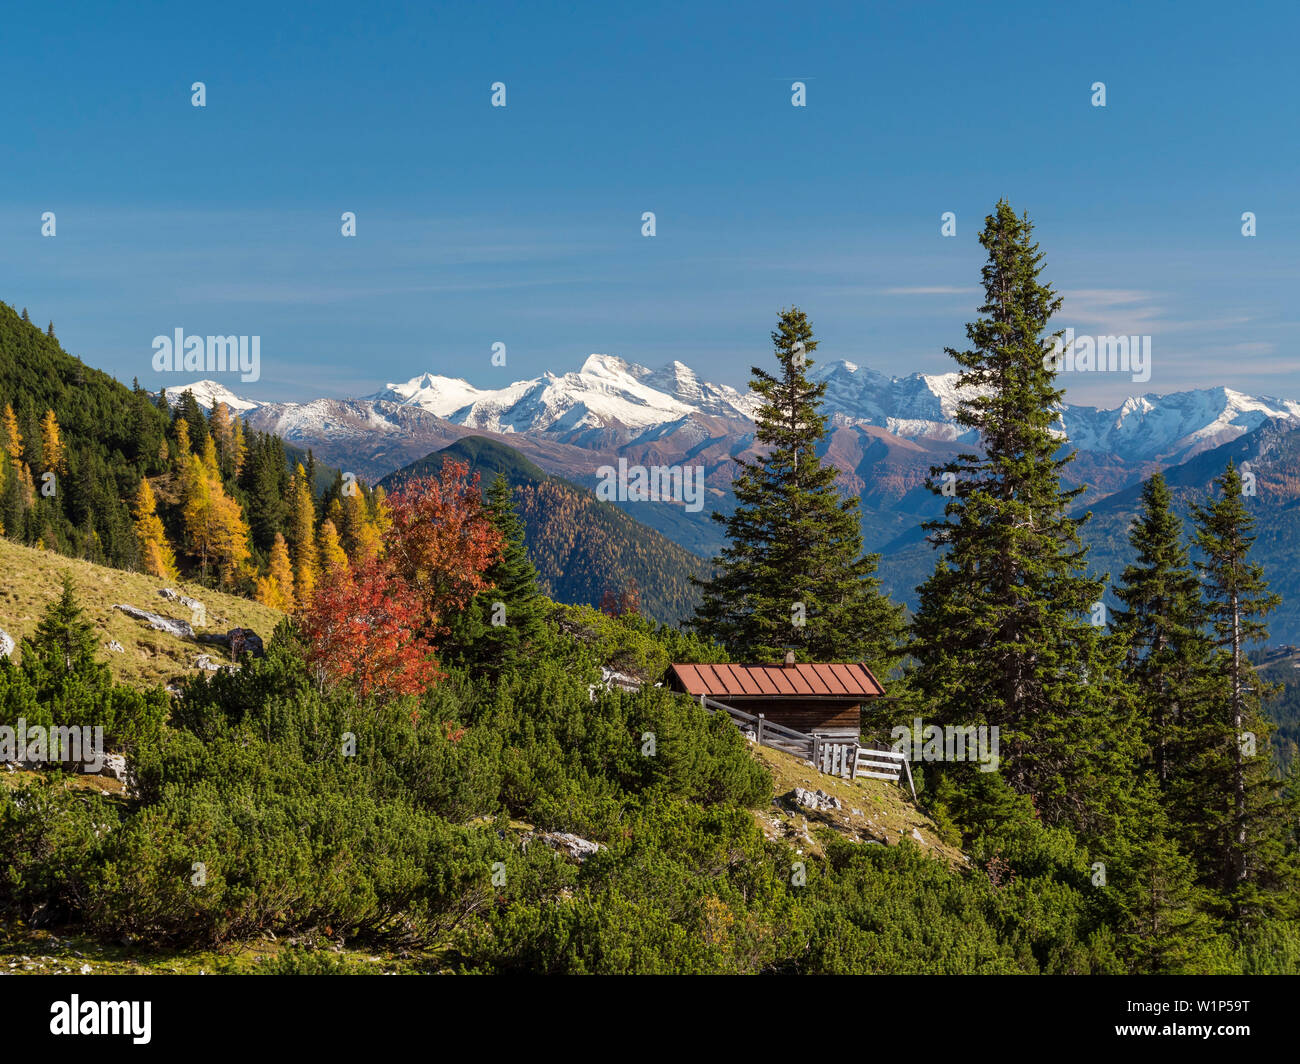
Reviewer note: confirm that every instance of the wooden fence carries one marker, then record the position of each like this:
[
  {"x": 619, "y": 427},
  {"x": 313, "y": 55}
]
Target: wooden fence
[{"x": 833, "y": 757}]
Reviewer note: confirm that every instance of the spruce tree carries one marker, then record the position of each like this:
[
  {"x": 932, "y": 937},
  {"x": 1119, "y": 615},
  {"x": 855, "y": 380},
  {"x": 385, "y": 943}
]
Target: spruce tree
[
  {"x": 11, "y": 500},
  {"x": 64, "y": 642},
  {"x": 1244, "y": 819},
  {"x": 505, "y": 625},
  {"x": 264, "y": 480},
  {"x": 188, "y": 409},
  {"x": 1169, "y": 655},
  {"x": 1155, "y": 905},
  {"x": 1003, "y": 635},
  {"x": 793, "y": 573}
]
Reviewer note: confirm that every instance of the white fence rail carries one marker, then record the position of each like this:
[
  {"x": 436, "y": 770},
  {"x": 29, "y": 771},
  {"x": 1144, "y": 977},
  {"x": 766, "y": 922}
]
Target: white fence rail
[{"x": 833, "y": 757}]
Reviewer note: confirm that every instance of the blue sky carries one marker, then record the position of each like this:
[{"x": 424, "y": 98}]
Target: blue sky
[{"x": 523, "y": 224}]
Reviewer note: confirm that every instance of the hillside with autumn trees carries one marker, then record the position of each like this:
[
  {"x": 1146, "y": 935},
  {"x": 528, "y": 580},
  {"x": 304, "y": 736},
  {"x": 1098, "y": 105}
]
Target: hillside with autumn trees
[{"x": 155, "y": 484}]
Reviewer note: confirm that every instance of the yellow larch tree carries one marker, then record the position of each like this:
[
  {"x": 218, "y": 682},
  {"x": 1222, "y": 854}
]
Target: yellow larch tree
[
  {"x": 183, "y": 446},
  {"x": 380, "y": 511},
  {"x": 10, "y": 438},
  {"x": 223, "y": 433},
  {"x": 276, "y": 588},
  {"x": 360, "y": 536},
  {"x": 302, "y": 529},
  {"x": 333, "y": 558},
  {"x": 155, "y": 552},
  {"x": 52, "y": 444},
  {"x": 215, "y": 530},
  {"x": 239, "y": 446}
]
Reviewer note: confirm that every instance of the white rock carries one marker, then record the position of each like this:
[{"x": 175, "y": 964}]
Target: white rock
[
  {"x": 574, "y": 845},
  {"x": 158, "y": 622},
  {"x": 6, "y": 644},
  {"x": 115, "y": 766},
  {"x": 116, "y": 647},
  {"x": 172, "y": 595}
]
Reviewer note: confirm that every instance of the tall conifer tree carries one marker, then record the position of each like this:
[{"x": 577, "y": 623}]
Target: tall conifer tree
[
  {"x": 505, "y": 624},
  {"x": 302, "y": 535},
  {"x": 1169, "y": 655},
  {"x": 1245, "y": 822},
  {"x": 793, "y": 573},
  {"x": 64, "y": 641},
  {"x": 1004, "y": 633}
]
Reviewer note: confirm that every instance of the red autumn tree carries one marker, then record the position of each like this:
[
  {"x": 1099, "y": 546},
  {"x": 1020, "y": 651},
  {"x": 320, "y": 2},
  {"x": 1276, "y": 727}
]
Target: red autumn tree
[
  {"x": 441, "y": 541},
  {"x": 366, "y": 628},
  {"x": 377, "y": 627}
]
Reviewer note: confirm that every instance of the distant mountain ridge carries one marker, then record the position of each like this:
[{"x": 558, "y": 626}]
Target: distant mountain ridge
[{"x": 609, "y": 401}]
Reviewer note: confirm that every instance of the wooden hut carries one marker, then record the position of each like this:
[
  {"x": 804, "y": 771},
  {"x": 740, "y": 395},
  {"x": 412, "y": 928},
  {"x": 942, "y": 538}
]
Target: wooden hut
[{"x": 822, "y": 700}]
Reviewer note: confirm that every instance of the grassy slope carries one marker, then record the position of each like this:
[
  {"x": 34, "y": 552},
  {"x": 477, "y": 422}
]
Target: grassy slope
[
  {"x": 873, "y": 810},
  {"x": 31, "y": 579}
]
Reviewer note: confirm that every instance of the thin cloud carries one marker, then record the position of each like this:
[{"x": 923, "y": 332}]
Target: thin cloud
[{"x": 930, "y": 290}]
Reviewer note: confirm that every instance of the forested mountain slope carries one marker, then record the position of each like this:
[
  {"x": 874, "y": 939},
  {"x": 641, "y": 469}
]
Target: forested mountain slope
[{"x": 582, "y": 547}]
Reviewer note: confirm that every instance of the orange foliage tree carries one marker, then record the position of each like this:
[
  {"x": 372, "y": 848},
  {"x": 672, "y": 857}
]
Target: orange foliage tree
[
  {"x": 441, "y": 541},
  {"x": 378, "y": 626},
  {"x": 366, "y": 628}
]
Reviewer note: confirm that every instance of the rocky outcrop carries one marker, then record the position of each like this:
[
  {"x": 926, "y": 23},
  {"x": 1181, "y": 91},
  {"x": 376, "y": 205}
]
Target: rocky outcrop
[
  {"x": 240, "y": 641},
  {"x": 245, "y": 641},
  {"x": 613, "y": 680},
  {"x": 574, "y": 845},
  {"x": 111, "y": 765},
  {"x": 817, "y": 800},
  {"x": 158, "y": 621},
  {"x": 198, "y": 612},
  {"x": 6, "y": 644}
]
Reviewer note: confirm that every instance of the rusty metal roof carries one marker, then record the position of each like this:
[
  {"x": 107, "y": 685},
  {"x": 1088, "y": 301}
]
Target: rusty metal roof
[{"x": 853, "y": 680}]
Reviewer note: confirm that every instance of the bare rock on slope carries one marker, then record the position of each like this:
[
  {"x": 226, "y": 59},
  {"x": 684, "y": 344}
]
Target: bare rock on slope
[
  {"x": 158, "y": 621},
  {"x": 574, "y": 845},
  {"x": 818, "y": 799},
  {"x": 198, "y": 612}
]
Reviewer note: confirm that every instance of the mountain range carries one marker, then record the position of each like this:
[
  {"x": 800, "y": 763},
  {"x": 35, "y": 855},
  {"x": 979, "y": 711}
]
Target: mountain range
[
  {"x": 886, "y": 433},
  {"x": 610, "y": 401}
]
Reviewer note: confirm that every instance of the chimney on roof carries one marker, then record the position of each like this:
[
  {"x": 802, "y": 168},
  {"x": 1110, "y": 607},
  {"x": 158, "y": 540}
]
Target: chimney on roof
[{"x": 789, "y": 660}]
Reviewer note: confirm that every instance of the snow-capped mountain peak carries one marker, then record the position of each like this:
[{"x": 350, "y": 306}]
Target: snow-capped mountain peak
[
  {"x": 439, "y": 395},
  {"x": 1173, "y": 427},
  {"x": 209, "y": 393},
  {"x": 611, "y": 367}
]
